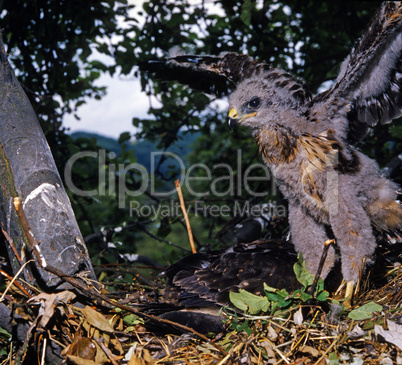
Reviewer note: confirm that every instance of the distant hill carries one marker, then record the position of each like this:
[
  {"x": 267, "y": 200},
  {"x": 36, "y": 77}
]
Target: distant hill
[
  {"x": 104, "y": 142},
  {"x": 143, "y": 148}
]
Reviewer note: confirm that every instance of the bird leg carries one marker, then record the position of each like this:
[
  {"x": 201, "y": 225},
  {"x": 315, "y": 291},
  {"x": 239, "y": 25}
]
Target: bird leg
[
  {"x": 352, "y": 290},
  {"x": 307, "y": 237}
]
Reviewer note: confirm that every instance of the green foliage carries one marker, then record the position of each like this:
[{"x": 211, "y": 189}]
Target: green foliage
[
  {"x": 306, "y": 279},
  {"x": 240, "y": 325},
  {"x": 302, "y": 274},
  {"x": 5, "y": 338},
  {"x": 248, "y": 302},
  {"x": 4, "y": 335},
  {"x": 49, "y": 43},
  {"x": 365, "y": 311},
  {"x": 58, "y": 51},
  {"x": 396, "y": 131},
  {"x": 277, "y": 300},
  {"x": 132, "y": 319},
  {"x": 333, "y": 359}
]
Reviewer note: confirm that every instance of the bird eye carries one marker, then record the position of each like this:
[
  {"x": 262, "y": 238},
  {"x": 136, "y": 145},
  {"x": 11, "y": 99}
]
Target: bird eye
[{"x": 254, "y": 103}]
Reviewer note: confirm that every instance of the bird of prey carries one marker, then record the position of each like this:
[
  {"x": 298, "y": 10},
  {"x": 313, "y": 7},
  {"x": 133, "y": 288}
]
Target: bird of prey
[
  {"x": 309, "y": 143},
  {"x": 205, "y": 279}
]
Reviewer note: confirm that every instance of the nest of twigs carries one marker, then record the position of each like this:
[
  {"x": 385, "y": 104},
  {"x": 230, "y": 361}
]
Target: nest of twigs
[{"x": 113, "y": 328}]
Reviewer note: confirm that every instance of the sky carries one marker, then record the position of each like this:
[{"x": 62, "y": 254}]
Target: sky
[
  {"x": 113, "y": 114},
  {"x": 124, "y": 100}
]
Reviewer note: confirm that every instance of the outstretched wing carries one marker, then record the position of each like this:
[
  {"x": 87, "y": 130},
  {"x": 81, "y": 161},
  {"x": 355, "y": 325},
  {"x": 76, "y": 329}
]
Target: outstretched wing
[
  {"x": 370, "y": 79},
  {"x": 209, "y": 74}
]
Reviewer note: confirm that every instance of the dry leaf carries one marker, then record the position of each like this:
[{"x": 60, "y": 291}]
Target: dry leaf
[
  {"x": 83, "y": 348},
  {"x": 310, "y": 350},
  {"x": 79, "y": 361},
  {"x": 393, "y": 335},
  {"x": 298, "y": 317},
  {"x": 101, "y": 357},
  {"x": 357, "y": 332},
  {"x": 272, "y": 335},
  {"x": 268, "y": 348},
  {"x": 137, "y": 355},
  {"x": 96, "y": 319},
  {"x": 117, "y": 345},
  {"x": 48, "y": 302}
]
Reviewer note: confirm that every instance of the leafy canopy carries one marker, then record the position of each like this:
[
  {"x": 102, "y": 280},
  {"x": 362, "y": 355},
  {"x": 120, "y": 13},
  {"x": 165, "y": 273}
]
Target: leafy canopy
[{"x": 58, "y": 51}]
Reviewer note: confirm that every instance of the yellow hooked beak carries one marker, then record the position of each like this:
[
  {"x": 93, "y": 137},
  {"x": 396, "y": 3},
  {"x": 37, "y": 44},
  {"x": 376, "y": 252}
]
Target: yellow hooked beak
[{"x": 235, "y": 117}]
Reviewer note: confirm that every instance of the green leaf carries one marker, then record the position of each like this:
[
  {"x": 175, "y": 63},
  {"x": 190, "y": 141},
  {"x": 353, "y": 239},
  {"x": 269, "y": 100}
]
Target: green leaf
[
  {"x": 395, "y": 131},
  {"x": 301, "y": 295},
  {"x": 320, "y": 285},
  {"x": 248, "y": 302},
  {"x": 279, "y": 298},
  {"x": 132, "y": 319},
  {"x": 246, "y": 10},
  {"x": 365, "y": 311},
  {"x": 4, "y": 333},
  {"x": 124, "y": 137},
  {"x": 270, "y": 289},
  {"x": 322, "y": 296},
  {"x": 244, "y": 327},
  {"x": 302, "y": 274},
  {"x": 333, "y": 359}
]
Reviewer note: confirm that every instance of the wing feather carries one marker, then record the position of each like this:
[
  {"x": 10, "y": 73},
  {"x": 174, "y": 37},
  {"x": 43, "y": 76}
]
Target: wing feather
[
  {"x": 212, "y": 75},
  {"x": 368, "y": 88},
  {"x": 370, "y": 79}
]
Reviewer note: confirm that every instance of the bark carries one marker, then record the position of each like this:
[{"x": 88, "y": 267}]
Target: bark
[{"x": 28, "y": 171}]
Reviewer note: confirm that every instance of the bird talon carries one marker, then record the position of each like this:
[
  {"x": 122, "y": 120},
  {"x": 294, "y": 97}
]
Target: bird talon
[{"x": 349, "y": 294}]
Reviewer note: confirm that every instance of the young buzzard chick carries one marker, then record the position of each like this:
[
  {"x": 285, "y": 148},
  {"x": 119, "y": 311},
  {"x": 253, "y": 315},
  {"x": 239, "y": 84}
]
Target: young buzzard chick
[{"x": 308, "y": 142}]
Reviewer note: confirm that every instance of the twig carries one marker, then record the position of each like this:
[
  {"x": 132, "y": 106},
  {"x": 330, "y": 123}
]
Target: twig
[
  {"x": 103, "y": 299},
  {"x": 40, "y": 259},
  {"x": 13, "y": 279},
  {"x": 43, "y": 351},
  {"x": 327, "y": 243},
  {"x": 106, "y": 351},
  {"x": 161, "y": 239},
  {"x": 296, "y": 345},
  {"x": 327, "y": 350},
  {"x": 11, "y": 243},
  {"x": 93, "y": 294},
  {"x": 183, "y": 208},
  {"x": 275, "y": 348},
  {"x": 223, "y": 361}
]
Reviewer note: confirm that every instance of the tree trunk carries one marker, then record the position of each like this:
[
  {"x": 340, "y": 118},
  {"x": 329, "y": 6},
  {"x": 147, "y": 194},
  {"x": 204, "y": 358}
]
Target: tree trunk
[{"x": 28, "y": 171}]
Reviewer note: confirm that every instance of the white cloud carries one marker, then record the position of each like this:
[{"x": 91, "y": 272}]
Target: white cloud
[
  {"x": 112, "y": 114},
  {"x": 124, "y": 100}
]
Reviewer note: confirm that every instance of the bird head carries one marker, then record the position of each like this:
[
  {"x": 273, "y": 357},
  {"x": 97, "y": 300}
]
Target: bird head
[
  {"x": 245, "y": 113},
  {"x": 265, "y": 98}
]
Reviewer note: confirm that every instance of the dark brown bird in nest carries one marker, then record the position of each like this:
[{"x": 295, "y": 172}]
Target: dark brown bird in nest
[
  {"x": 205, "y": 279},
  {"x": 199, "y": 284},
  {"x": 309, "y": 142}
]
